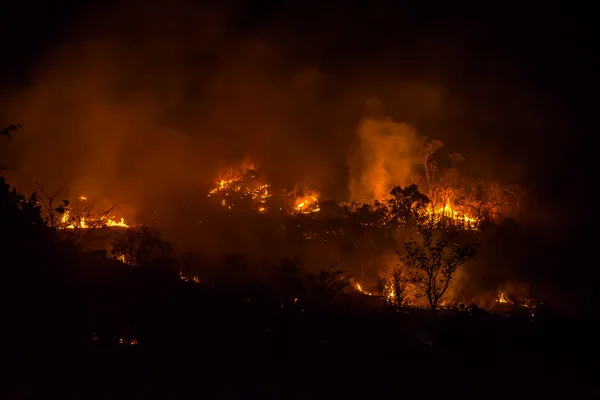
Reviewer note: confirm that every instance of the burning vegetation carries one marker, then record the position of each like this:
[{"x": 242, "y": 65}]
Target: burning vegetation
[
  {"x": 243, "y": 185},
  {"x": 438, "y": 214},
  {"x": 405, "y": 243},
  {"x": 442, "y": 216},
  {"x": 81, "y": 214}
]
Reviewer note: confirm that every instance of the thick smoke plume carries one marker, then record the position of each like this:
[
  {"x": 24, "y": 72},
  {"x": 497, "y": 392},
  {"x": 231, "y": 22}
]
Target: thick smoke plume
[{"x": 386, "y": 154}]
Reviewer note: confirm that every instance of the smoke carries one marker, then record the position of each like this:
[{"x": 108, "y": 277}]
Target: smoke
[
  {"x": 145, "y": 113},
  {"x": 141, "y": 108},
  {"x": 141, "y": 105},
  {"x": 137, "y": 124},
  {"x": 385, "y": 156}
]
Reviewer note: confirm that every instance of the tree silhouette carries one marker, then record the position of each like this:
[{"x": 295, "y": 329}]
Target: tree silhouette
[
  {"x": 17, "y": 212},
  {"x": 329, "y": 283},
  {"x": 432, "y": 263},
  {"x": 140, "y": 246},
  {"x": 64, "y": 214},
  {"x": 483, "y": 202},
  {"x": 407, "y": 206},
  {"x": 397, "y": 289},
  {"x": 362, "y": 217}
]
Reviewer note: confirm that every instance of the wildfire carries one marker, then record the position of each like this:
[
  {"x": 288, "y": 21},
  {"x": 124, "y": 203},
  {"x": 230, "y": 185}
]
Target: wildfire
[
  {"x": 453, "y": 214},
  {"x": 242, "y": 182},
  {"x": 68, "y": 221},
  {"x": 307, "y": 204},
  {"x": 359, "y": 287},
  {"x": 390, "y": 292},
  {"x": 87, "y": 222},
  {"x": 503, "y": 298},
  {"x": 232, "y": 178}
]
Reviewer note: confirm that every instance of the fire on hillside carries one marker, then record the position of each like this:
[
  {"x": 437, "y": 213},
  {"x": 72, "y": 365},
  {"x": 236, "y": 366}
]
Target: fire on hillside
[
  {"x": 84, "y": 215},
  {"x": 244, "y": 184},
  {"x": 466, "y": 209}
]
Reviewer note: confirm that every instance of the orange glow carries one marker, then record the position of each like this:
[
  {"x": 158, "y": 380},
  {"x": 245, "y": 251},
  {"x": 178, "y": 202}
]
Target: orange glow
[
  {"x": 454, "y": 214},
  {"x": 87, "y": 222},
  {"x": 503, "y": 299},
  {"x": 241, "y": 182},
  {"x": 359, "y": 287},
  {"x": 309, "y": 203},
  {"x": 70, "y": 220}
]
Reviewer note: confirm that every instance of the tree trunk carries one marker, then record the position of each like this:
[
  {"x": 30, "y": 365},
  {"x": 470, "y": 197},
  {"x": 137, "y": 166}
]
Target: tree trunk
[{"x": 433, "y": 304}]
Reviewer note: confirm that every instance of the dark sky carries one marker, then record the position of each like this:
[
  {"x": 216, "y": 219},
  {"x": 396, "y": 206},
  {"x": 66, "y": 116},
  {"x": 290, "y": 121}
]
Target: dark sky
[{"x": 520, "y": 78}]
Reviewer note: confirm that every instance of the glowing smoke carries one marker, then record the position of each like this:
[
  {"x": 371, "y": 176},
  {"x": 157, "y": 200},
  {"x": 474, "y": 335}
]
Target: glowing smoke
[{"x": 384, "y": 158}]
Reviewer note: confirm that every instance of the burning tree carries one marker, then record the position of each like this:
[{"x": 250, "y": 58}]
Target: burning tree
[
  {"x": 483, "y": 201},
  {"x": 77, "y": 219},
  {"x": 397, "y": 288},
  {"x": 432, "y": 263}
]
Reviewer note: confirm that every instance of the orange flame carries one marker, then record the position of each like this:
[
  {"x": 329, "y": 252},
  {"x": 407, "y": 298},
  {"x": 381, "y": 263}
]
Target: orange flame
[
  {"x": 359, "y": 287},
  {"x": 67, "y": 222},
  {"x": 309, "y": 203},
  {"x": 504, "y": 299},
  {"x": 240, "y": 182},
  {"x": 453, "y": 214}
]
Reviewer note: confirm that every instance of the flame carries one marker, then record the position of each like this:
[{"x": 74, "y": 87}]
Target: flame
[
  {"x": 503, "y": 298},
  {"x": 241, "y": 182},
  {"x": 360, "y": 288},
  {"x": 231, "y": 179},
  {"x": 452, "y": 213},
  {"x": 309, "y": 203},
  {"x": 85, "y": 222},
  {"x": 68, "y": 222}
]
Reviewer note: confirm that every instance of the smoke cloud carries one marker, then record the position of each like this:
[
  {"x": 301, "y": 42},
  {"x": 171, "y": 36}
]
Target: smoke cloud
[
  {"x": 385, "y": 156},
  {"x": 141, "y": 108}
]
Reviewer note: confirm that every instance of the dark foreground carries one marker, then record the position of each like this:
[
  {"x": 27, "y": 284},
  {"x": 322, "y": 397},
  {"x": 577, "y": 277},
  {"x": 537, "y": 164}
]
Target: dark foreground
[
  {"x": 295, "y": 354},
  {"x": 61, "y": 335}
]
